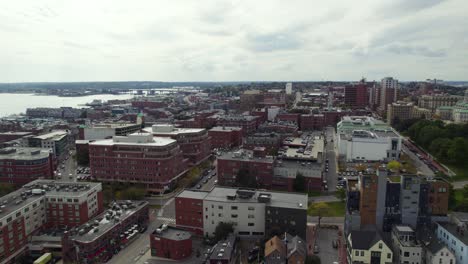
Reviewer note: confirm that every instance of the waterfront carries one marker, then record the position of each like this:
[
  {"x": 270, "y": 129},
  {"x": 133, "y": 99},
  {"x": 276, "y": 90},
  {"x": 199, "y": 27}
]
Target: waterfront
[{"x": 18, "y": 103}]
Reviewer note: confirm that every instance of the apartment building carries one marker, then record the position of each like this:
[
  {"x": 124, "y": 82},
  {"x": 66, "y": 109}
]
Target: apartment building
[
  {"x": 225, "y": 137},
  {"x": 406, "y": 248}
]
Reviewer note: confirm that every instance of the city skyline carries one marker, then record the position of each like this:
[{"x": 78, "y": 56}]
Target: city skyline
[{"x": 233, "y": 41}]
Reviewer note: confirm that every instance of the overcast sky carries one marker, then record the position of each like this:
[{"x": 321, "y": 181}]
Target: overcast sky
[{"x": 198, "y": 40}]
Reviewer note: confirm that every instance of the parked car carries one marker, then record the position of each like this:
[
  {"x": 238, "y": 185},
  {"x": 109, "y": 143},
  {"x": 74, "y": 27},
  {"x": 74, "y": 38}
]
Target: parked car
[
  {"x": 198, "y": 186},
  {"x": 316, "y": 249}
]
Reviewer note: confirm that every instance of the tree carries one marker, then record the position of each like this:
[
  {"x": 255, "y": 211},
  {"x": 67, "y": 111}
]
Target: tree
[
  {"x": 394, "y": 166},
  {"x": 312, "y": 260},
  {"x": 299, "y": 183},
  {"x": 222, "y": 230},
  {"x": 320, "y": 208},
  {"x": 341, "y": 194},
  {"x": 361, "y": 167},
  {"x": 452, "y": 201},
  {"x": 6, "y": 188}
]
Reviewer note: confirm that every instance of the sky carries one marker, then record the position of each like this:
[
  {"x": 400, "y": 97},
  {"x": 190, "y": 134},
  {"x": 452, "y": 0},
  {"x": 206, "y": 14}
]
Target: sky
[{"x": 261, "y": 40}]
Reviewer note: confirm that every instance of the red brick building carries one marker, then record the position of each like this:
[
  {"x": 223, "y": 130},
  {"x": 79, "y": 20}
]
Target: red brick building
[
  {"x": 356, "y": 95},
  {"x": 106, "y": 234},
  {"x": 225, "y": 137},
  {"x": 19, "y": 166},
  {"x": 194, "y": 142},
  {"x": 289, "y": 117},
  {"x": 247, "y": 123},
  {"x": 261, "y": 113},
  {"x": 189, "y": 208},
  {"x": 7, "y": 136},
  {"x": 172, "y": 243},
  {"x": 312, "y": 122},
  {"x": 27, "y": 210},
  {"x": 202, "y": 119},
  {"x": 255, "y": 164},
  {"x": 140, "y": 158}
]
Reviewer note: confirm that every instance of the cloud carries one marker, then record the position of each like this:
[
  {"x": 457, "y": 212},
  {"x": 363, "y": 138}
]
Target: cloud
[{"x": 403, "y": 49}]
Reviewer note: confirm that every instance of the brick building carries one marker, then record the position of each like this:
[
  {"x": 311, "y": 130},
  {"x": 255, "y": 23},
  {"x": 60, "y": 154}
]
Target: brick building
[
  {"x": 19, "y": 166},
  {"x": 156, "y": 162},
  {"x": 289, "y": 117},
  {"x": 42, "y": 204},
  {"x": 172, "y": 243},
  {"x": 225, "y": 137},
  {"x": 194, "y": 142},
  {"x": 311, "y": 122},
  {"x": 247, "y": 123},
  {"x": 11, "y": 135},
  {"x": 356, "y": 95},
  {"x": 257, "y": 165},
  {"x": 105, "y": 234}
]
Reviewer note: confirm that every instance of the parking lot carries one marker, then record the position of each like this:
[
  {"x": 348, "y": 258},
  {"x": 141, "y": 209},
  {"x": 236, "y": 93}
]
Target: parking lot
[{"x": 325, "y": 238}]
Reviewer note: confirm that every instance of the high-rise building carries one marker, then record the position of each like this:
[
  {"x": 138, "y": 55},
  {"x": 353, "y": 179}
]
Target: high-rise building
[
  {"x": 288, "y": 88},
  {"x": 388, "y": 93},
  {"x": 356, "y": 95}
]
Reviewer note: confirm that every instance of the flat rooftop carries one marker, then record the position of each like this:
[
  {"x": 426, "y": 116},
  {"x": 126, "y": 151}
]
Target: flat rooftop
[
  {"x": 277, "y": 199},
  {"x": 190, "y": 194},
  {"x": 171, "y": 233},
  {"x": 220, "y": 129},
  {"x": 57, "y": 135},
  {"x": 310, "y": 148},
  {"x": 246, "y": 155},
  {"x": 15, "y": 133},
  {"x": 143, "y": 139},
  {"x": 167, "y": 129},
  {"x": 452, "y": 229},
  {"x": 118, "y": 212},
  {"x": 111, "y": 125},
  {"x": 23, "y": 153},
  {"x": 43, "y": 188}
]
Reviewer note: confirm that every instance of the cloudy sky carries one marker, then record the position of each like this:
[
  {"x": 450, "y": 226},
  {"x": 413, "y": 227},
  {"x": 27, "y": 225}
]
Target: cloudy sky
[{"x": 198, "y": 40}]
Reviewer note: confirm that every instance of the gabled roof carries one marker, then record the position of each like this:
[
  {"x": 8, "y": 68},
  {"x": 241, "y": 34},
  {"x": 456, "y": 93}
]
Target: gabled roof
[
  {"x": 296, "y": 244},
  {"x": 364, "y": 240},
  {"x": 435, "y": 246},
  {"x": 275, "y": 244}
]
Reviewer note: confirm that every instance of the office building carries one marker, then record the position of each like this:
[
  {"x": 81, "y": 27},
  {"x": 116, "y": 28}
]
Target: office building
[
  {"x": 432, "y": 102},
  {"x": 156, "y": 162},
  {"x": 56, "y": 142},
  {"x": 194, "y": 142},
  {"x": 388, "y": 93},
  {"x": 19, "y": 166}
]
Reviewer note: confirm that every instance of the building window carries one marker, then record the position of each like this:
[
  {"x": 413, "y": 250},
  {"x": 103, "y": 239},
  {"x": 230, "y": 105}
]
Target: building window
[
  {"x": 357, "y": 253},
  {"x": 362, "y": 253},
  {"x": 251, "y": 224},
  {"x": 220, "y": 207},
  {"x": 380, "y": 245},
  {"x": 389, "y": 255},
  {"x": 251, "y": 216},
  {"x": 233, "y": 207},
  {"x": 406, "y": 254},
  {"x": 251, "y": 208}
]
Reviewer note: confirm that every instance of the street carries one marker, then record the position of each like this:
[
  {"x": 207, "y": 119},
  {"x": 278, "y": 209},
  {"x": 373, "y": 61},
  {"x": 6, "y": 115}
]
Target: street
[
  {"x": 330, "y": 154},
  {"x": 420, "y": 166},
  {"x": 67, "y": 167}
]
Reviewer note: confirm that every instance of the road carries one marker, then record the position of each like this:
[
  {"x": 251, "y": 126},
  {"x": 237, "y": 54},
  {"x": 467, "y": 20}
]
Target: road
[
  {"x": 459, "y": 184},
  {"x": 70, "y": 168},
  {"x": 330, "y": 154},
  {"x": 418, "y": 163},
  {"x": 327, "y": 199},
  {"x": 324, "y": 238}
]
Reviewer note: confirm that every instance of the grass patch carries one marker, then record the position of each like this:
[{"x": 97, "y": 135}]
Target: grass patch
[
  {"x": 459, "y": 196},
  {"x": 337, "y": 209},
  {"x": 408, "y": 164},
  {"x": 314, "y": 193}
]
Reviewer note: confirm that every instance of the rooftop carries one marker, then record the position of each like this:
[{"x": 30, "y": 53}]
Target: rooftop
[
  {"x": 23, "y": 153},
  {"x": 168, "y": 129},
  {"x": 118, "y": 212},
  {"x": 145, "y": 139},
  {"x": 350, "y": 123},
  {"x": 56, "y": 135},
  {"x": 220, "y": 128},
  {"x": 312, "y": 148},
  {"x": 111, "y": 125},
  {"x": 15, "y": 133},
  {"x": 246, "y": 155},
  {"x": 171, "y": 233},
  {"x": 191, "y": 194},
  {"x": 38, "y": 189},
  {"x": 238, "y": 118},
  {"x": 275, "y": 199},
  {"x": 453, "y": 229}
]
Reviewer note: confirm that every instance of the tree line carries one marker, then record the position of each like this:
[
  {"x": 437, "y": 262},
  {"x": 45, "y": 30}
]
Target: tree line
[{"x": 448, "y": 143}]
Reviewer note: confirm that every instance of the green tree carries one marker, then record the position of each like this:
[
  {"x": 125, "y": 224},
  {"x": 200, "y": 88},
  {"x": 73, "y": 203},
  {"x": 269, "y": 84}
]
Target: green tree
[
  {"x": 222, "y": 230},
  {"x": 452, "y": 201},
  {"x": 341, "y": 194},
  {"x": 299, "y": 183},
  {"x": 6, "y": 188},
  {"x": 321, "y": 208},
  {"x": 457, "y": 153},
  {"x": 394, "y": 166}
]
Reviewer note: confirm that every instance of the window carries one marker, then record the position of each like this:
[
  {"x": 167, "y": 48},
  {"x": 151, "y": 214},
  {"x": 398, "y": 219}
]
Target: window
[
  {"x": 251, "y": 216},
  {"x": 406, "y": 254},
  {"x": 251, "y": 208},
  {"x": 362, "y": 253},
  {"x": 220, "y": 207},
  {"x": 389, "y": 255},
  {"x": 380, "y": 245},
  {"x": 233, "y": 207},
  {"x": 233, "y": 216},
  {"x": 357, "y": 253},
  {"x": 251, "y": 224}
]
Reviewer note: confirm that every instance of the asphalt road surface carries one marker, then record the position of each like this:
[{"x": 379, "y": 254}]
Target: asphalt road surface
[
  {"x": 330, "y": 154},
  {"x": 69, "y": 168},
  {"x": 418, "y": 163}
]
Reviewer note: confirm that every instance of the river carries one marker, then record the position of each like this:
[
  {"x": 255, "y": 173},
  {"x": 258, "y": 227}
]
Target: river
[{"x": 18, "y": 103}]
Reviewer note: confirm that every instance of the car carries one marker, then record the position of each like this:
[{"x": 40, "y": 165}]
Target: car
[
  {"x": 325, "y": 187},
  {"x": 340, "y": 178},
  {"x": 326, "y": 169},
  {"x": 216, "y": 182},
  {"x": 326, "y": 161},
  {"x": 254, "y": 250},
  {"x": 252, "y": 258},
  {"x": 205, "y": 181},
  {"x": 198, "y": 186},
  {"x": 335, "y": 244},
  {"x": 316, "y": 249}
]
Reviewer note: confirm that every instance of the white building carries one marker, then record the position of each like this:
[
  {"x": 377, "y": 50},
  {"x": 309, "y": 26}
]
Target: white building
[
  {"x": 364, "y": 138},
  {"x": 368, "y": 247},
  {"x": 405, "y": 245},
  {"x": 289, "y": 88},
  {"x": 437, "y": 253},
  {"x": 455, "y": 238}
]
